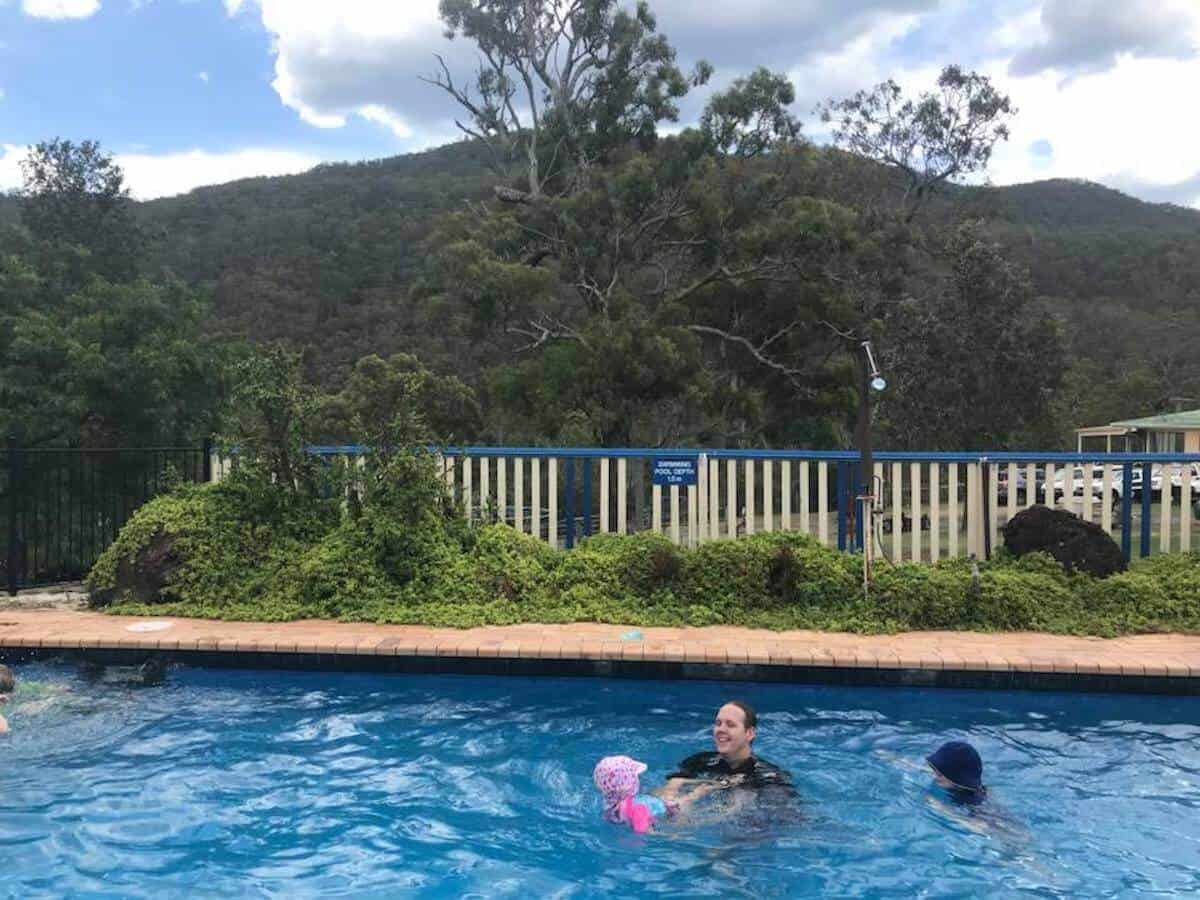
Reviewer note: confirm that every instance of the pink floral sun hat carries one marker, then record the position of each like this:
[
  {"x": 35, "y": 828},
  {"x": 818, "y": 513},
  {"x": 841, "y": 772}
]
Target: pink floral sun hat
[{"x": 616, "y": 778}]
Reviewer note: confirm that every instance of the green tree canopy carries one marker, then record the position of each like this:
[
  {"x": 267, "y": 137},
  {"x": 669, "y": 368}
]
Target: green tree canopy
[
  {"x": 108, "y": 365},
  {"x": 74, "y": 196}
]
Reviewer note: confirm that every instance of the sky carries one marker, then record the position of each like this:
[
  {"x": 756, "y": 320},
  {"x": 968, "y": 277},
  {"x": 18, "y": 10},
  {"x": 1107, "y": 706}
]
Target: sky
[{"x": 192, "y": 92}]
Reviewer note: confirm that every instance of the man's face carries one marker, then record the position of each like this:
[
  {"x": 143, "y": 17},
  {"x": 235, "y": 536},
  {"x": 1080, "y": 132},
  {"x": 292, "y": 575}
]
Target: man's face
[{"x": 730, "y": 734}]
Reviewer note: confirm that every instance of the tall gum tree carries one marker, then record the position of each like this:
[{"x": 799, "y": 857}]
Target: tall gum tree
[{"x": 602, "y": 228}]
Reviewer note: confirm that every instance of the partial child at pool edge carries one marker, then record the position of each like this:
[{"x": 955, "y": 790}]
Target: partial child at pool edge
[
  {"x": 958, "y": 768},
  {"x": 7, "y": 684}
]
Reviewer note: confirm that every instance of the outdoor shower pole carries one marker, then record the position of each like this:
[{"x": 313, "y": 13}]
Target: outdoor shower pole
[{"x": 862, "y": 433}]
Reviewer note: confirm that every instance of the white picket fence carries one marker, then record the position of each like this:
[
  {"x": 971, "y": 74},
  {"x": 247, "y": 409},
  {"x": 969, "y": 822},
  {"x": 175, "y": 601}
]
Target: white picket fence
[{"x": 927, "y": 506}]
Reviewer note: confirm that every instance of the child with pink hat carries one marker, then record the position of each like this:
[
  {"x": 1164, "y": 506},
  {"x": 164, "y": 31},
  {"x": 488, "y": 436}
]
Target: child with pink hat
[{"x": 617, "y": 779}]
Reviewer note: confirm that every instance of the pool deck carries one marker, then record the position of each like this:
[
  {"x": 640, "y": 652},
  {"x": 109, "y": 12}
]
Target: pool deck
[{"x": 1166, "y": 663}]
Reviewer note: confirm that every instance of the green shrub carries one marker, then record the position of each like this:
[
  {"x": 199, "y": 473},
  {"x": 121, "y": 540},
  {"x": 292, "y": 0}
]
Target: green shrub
[
  {"x": 1016, "y": 600},
  {"x": 401, "y": 552},
  {"x": 1161, "y": 593},
  {"x": 614, "y": 571},
  {"x": 766, "y": 572},
  {"x": 229, "y": 539},
  {"x": 921, "y": 597}
]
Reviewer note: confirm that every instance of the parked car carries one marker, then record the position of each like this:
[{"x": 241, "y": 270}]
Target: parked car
[
  {"x": 1136, "y": 478},
  {"x": 1079, "y": 475},
  {"x": 1176, "y": 475}
]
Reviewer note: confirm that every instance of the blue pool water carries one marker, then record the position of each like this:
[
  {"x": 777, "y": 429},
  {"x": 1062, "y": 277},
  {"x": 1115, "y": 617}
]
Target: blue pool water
[{"x": 248, "y": 784}]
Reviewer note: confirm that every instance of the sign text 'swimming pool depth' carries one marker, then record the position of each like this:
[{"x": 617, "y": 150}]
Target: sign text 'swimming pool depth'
[{"x": 675, "y": 471}]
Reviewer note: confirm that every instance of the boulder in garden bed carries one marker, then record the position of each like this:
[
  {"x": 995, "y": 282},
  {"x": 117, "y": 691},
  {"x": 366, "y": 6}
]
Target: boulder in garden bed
[
  {"x": 142, "y": 577},
  {"x": 1078, "y": 545}
]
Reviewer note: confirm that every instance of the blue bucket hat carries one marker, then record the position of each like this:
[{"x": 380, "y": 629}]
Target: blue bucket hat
[{"x": 959, "y": 762}]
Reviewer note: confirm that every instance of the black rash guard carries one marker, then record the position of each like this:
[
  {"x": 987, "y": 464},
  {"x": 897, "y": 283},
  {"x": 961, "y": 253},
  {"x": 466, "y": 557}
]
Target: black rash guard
[{"x": 758, "y": 773}]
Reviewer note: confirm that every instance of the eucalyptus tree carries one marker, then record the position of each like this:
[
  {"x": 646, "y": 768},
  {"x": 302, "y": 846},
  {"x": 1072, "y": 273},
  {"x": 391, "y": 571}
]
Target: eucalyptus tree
[
  {"x": 940, "y": 136},
  {"x": 607, "y": 240}
]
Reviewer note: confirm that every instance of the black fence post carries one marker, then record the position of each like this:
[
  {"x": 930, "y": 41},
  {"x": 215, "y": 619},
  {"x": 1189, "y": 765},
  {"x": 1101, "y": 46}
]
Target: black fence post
[
  {"x": 14, "y": 480},
  {"x": 206, "y": 463}
]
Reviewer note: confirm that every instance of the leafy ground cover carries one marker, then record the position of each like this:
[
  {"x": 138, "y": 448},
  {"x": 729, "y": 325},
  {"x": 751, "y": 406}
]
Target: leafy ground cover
[{"x": 244, "y": 549}]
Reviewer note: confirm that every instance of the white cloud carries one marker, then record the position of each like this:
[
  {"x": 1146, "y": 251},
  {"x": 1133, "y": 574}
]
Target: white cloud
[
  {"x": 203, "y": 76},
  {"x": 60, "y": 9},
  {"x": 860, "y": 64},
  {"x": 352, "y": 58},
  {"x": 1125, "y": 122},
  {"x": 10, "y": 166},
  {"x": 164, "y": 175},
  {"x": 1082, "y": 36}
]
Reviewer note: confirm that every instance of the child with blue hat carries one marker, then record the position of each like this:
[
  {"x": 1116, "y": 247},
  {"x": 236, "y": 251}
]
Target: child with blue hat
[{"x": 956, "y": 766}]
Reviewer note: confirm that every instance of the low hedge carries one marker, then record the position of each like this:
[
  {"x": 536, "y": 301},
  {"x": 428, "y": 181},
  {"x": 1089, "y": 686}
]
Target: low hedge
[{"x": 237, "y": 552}]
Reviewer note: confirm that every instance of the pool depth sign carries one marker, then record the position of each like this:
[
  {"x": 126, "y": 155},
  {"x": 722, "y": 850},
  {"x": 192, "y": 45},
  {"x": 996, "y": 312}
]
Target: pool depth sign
[{"x": 674, "y": 471}]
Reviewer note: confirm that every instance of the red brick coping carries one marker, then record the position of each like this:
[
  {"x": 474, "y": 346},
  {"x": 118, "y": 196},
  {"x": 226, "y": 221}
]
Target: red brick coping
[{"x": 1166, "y": 656}]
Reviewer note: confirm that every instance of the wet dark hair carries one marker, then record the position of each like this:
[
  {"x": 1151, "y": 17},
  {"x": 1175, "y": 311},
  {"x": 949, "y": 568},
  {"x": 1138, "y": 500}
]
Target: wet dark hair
[
  {"x": 7, "y": 681},
  {"x": 748, "y": 713}
]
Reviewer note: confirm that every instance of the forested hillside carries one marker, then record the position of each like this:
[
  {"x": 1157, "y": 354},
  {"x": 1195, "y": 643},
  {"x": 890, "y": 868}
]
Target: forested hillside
[
  {"x": 328, "y": 259},
  {"x": 583, "y": 277}
]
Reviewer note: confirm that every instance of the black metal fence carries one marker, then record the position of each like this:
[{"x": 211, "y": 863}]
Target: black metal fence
[{"x": 61, "y": 507}]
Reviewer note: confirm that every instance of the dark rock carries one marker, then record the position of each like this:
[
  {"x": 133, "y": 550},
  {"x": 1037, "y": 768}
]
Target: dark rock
[
  {"x": 1078, "y": 545},
  {"x": 141, "y": 579}
]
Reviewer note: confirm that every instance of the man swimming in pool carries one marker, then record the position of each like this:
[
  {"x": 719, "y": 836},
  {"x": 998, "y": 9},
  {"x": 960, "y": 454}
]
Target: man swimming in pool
[{"x": 733, "y": 761}]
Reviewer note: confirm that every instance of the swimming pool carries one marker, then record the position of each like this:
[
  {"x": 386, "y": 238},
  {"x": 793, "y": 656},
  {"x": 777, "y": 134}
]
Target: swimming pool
[{"x": 255, "y": 784}]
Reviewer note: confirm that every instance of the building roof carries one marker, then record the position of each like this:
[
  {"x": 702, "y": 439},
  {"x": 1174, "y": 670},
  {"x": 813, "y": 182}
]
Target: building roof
[
  {"x": 1103, "y": 431},
  {"x": 1189, "y": 420}
]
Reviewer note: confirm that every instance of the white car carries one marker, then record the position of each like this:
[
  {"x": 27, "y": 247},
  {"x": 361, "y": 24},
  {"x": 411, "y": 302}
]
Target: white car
[
  {"x": 1177, "y": 472},
  {"x": 1078, "y": 476}
]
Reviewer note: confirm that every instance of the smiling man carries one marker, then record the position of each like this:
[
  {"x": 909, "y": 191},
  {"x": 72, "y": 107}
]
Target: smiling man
[{"x": 733, "y": 760}]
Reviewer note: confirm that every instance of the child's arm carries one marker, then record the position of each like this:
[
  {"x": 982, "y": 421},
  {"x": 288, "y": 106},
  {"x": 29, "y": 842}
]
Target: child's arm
[
  {"x": 3, "y": 725},
  {"x": 636, "y": 815}
]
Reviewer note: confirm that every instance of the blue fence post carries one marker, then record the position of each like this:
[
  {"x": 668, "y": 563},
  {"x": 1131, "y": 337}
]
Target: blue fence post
[
  {"x": 859, "y": 519},
  {"x": 842, "y": 480},
  {"x": 569, "y": 500},
  {"x": 1127, "y": 511},
  {"x": 1147, "y": 497},
  {"x": 587, "y": 498}
]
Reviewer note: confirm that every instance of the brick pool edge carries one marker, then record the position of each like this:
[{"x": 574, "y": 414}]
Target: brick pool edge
[
  {"x": 598, "y": 668},
  {"x": 1167, "y": 664}
]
